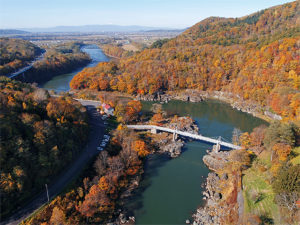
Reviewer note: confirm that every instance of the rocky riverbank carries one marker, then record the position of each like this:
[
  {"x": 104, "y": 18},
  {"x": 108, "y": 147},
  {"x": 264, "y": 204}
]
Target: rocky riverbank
[
  {"x": 187, "y": 96},
  {"x": 223, "y": 188},
  {"x": 162, "y": 143},
  {"x": 235, "y": 101}
]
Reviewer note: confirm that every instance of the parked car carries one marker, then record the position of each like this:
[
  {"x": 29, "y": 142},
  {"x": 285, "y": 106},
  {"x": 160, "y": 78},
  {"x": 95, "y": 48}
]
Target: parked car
[{"x": 103, "y": 144}]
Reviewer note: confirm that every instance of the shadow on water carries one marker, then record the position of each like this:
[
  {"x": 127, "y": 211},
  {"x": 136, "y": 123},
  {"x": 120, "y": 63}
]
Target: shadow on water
[{"x": 151, "y": 167}]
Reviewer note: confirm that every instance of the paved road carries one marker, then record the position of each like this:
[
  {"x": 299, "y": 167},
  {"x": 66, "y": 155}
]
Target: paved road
[
  {"x": 96, "y": 134},
  {"x": 24, "y": 69}
]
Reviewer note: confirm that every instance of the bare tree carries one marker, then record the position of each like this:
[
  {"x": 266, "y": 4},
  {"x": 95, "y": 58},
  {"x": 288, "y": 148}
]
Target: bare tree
[
  {"x": 40, "y": 95},
  {"x": 101, "y": 163},
  {"x": 236, "y": 136},
  {"x": 287, "y": 200}
]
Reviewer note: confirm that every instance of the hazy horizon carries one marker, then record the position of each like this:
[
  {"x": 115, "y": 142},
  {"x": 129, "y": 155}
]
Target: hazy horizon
[{"x": 173, "y": 14}]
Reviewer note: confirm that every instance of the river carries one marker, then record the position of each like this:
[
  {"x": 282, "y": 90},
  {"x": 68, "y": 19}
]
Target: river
[
  {"x": 62, "y": 82},
  {"x": 171, "y": 189}
]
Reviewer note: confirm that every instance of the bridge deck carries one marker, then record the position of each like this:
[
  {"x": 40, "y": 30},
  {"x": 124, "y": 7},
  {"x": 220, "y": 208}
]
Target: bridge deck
[{"x": 186, "y": 134}]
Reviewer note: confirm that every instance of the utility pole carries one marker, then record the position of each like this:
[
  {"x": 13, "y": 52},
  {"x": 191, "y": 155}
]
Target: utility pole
[{"x": 47, "y": 192}]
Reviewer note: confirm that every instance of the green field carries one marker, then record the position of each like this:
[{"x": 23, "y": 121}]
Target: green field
[{"x": 259, "y": 196}]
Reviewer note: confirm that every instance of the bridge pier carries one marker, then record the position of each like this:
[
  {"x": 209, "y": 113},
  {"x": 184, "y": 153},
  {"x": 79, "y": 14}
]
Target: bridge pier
[
  {"x": 153, "y": 131},
  {"x": 175, "y": 135},
  {"x": 216, "y": 148}
]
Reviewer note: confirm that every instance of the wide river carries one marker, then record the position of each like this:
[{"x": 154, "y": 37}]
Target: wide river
[
  {"x": 62, "y": 82},
  {"x": 171, "y": 190}
]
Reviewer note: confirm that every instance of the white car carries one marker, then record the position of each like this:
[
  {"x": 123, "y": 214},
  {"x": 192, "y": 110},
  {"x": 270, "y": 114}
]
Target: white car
[
  {"x": 103, "y": 144},
  {"x": 106, "y": 136},
  {"x": 99, "y": 148}
]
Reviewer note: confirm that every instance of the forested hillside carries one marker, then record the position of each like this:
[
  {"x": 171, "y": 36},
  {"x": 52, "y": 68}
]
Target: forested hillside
[
  {"x": 15, "y": 53},
  {"x": 60, "y": 59},
  {"x": 99, "y": 194},
  {"x": 39, "y": 136},
  {"x": 255, "y": 57}
]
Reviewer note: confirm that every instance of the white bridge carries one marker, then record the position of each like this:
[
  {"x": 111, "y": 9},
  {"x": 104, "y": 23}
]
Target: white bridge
[{"x": 154, "y": 129}]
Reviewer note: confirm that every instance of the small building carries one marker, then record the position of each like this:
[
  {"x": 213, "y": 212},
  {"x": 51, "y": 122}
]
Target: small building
[{"x": 108, "y": 109}]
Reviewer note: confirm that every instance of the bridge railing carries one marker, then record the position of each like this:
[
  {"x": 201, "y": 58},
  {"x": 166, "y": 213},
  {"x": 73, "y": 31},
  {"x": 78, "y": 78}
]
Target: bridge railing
[{"x": 183, "y": 133}]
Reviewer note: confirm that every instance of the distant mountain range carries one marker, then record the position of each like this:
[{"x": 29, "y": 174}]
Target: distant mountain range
[
  {"x": 12, "y": 31},
  {"x": 96, "y": 29}
]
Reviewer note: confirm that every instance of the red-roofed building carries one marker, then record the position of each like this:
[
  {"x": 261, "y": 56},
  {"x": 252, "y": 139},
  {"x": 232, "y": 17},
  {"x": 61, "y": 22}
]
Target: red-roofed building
[{"x": 108, "y": 109}]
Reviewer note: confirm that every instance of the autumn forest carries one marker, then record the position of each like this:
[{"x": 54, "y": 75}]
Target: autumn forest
[
  {"x": 247, "y": 69},
  {"x": 255, "y": 58}
]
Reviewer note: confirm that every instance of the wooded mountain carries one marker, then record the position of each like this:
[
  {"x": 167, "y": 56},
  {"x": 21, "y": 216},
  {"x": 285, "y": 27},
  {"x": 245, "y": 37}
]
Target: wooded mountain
[
  {"x": 15, "y": 53},
  {"x": 39, "y": 136},
  {"x": 255, "y": 57},
  {"x": 12, "y": 32}
]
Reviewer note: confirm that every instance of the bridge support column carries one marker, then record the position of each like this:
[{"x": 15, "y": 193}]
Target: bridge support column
[
  {"x": 217, "y": 147},
  {"x": 175, "y": 135},
  {"x": 153, "y": 131}
]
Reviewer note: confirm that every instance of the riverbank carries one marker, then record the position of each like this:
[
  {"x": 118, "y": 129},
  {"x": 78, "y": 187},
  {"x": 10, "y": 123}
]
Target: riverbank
[
  {"x": 44, "y": 71},
  {"x": 213, "y": 118},
  {"x": 223, "y": 194},
  {"x": 58, "y": 59},
  {"x": 61, "y": 83},
  {"x": 194, "y": 96}
]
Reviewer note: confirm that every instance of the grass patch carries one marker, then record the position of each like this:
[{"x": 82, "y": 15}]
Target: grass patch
[
  {"x": 259, "y": 196},
  {"x": 296, "y": 150},
  {"x": 296, "y": 159},
  {"x": 265, "y": 158}
]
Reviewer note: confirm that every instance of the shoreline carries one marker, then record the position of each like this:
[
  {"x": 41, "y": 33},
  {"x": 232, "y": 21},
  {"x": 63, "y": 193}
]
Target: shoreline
[
  {"x": 211, "y": 196},
  {"x": 195, "y": 96},
  {"x": 223, "y": 192},
  {"x": 165, "y": 149}
]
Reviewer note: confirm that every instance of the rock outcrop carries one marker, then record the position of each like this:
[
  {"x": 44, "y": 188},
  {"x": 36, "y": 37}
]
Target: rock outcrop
[
  {"x": 221, "y": 192},
  {"x": 165, "y": 141},
  {"x": 173, "y": 148},
  {"x": 216, "y": 161}
]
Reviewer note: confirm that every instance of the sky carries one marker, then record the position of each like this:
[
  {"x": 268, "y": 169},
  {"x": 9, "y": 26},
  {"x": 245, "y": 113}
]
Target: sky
[{"x": 155, "y": 13}]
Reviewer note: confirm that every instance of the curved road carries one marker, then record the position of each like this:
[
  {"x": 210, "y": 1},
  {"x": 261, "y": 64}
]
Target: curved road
[
  {"x": 24, "y": 69},
  {"x": 97, "y": 130}
]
